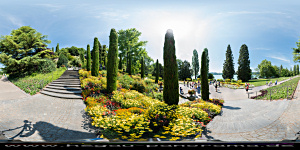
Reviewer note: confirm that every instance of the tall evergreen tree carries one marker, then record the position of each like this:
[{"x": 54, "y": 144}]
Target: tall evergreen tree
[
  {"x": 88, "y": 55},
  {"x": 204, "y": 77},
  {"x": 195, "y": 62},
  {"x": 244, "y": 71},
  {"x": 100, "y": 51},
  {"x": 297, "y": 69},
  {"x": 82, "y": 58},
  {"x": 95, "y": 64},
  {"x": 156, "y": 73},
  {"x": 143, "y": 68},
  {"x": 207, "y": 59},
  {"x": 57, "y": 48},
  {"x": 112, "y": 63},
  {"x": 171, "y": 87},
  {"x": 228, "y": 66},
  {"x": 52, "y": 49},
  {"x": 280, "y": 69}
]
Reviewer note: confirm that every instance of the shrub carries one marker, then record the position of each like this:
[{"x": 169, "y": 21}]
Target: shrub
[
  {"x": 46, "y": 66},
  {"x": 62, "y": 60},
  {"x": 227, "y": 80}
]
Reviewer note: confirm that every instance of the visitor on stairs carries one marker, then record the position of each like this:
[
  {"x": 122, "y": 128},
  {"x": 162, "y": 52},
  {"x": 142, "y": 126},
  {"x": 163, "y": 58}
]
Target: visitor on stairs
[
  {"x": 198, "y": 89},
  {"x": 181, "y": 91}
]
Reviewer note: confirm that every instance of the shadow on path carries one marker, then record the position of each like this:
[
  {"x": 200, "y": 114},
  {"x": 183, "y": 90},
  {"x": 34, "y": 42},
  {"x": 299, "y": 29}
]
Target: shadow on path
[
  {"x": 230, "y": 107},
  {"x": 49, "y": 132}
]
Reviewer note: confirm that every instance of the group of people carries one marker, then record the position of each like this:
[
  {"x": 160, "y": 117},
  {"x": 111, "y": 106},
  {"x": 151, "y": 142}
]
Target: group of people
[
  {"x": 270, "y": 83},
  {"x": 192, "y": 85}
]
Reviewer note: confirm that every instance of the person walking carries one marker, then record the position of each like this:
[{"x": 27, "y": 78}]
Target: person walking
[
  {"x": 198, "y": 89},
  {"x": 276, "y": 82},
  {"x": 181, "y": 91},
  {"x": 216, "y": 86},
  {"x": 183, "y": 82},
  {"x": 247, "y": 88}
]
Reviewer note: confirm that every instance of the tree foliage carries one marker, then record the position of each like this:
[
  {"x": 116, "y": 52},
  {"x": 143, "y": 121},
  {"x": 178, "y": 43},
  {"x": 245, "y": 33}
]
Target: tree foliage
[
  {"x": 296, "y": 52},
  {"x": 207, "y": 59},
  {"x": 266, "y": 70},
  {"x": 142, "y": 68},
  {"x": 22, "y": 42},
  {"x": 171, "y": 87},
  {"x": 62, "y": 60},
  {"x": 112, "y": 63},
  {"x": 204, "y": 77},
  {"x": 95, "y": 63},
  {"x": 88, "y": 55},
  {"x": 228, "y": 66},
  {"x": 195, "y": 62},
  {"x": 156, "y": 72},
  {"x": 244, "y": 72},
  {"x": 184, "y": 70}
]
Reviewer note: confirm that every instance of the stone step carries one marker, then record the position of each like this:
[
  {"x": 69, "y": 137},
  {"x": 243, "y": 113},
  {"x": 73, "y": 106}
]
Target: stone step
[
  {"x": 63, "y": 88},
  {"x": 68, "y": 83},
  {"x": 64, "y": 96},
  {"x": 67, "y": 80},
  {"x": 64, "y": 85},
  {"x": 63, "y": 91}
]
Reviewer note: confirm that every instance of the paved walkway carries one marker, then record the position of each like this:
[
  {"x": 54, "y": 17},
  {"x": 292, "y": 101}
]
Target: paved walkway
[{"x": 42, "y": 118}]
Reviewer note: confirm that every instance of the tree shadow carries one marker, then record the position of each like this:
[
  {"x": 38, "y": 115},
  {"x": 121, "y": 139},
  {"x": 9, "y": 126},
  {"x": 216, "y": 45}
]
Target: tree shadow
[
  {"x": 52, "y": 133},
  {"x": 232, "y": 108}
]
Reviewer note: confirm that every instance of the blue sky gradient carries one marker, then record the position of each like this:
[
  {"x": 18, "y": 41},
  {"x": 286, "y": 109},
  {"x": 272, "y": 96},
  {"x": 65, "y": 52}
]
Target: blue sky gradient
[{"x": 270, "y": 29}]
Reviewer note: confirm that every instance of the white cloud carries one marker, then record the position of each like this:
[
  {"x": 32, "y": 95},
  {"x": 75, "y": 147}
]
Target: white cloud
[
  {"x": 280, "y": 58},
  {"x": 14, "y": 20},
  {"x": 51, "y": 7}
]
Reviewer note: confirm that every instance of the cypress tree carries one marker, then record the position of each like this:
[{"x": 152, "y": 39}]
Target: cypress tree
[
  {"x": 228, "y": 66},
  {"x": 95, "y": 64},
  {"x": 57, "y": 48},
  {"x": 142, "y": 69},
  {"x": 112, "y": 63},
  {"x": 204, "y": 77},
  {"x": 244, "y": 71},
  {"x": 100, "y": 51},
  {"x": 171, "y": 87},
  {"x": 195, "y": 62},
  {"x": 82, "y": 58},
  {"x": 207, "y": 59},
  {"x": 52, "y": 49},
  {"x": 297, "y": 69},
  {"x": 88, "y": 53},
  {"x": 62, "y": 60},
  {"x": 156, "y": 73},
  {"x": 280, "y": 69}
]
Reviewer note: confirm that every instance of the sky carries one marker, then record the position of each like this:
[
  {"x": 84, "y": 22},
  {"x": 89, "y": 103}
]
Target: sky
[{"x": 270, "y": 28}]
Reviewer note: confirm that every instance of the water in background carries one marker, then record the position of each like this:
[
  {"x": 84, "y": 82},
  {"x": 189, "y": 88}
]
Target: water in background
[{"x": 234, "y": 77}]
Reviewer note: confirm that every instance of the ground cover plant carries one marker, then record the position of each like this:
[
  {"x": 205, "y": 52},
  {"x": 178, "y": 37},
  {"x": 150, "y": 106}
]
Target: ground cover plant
[
  {"x": 131, "y": 114},
  {"x": 279, "y": 91},
  {"x": 32, "y": 84}
]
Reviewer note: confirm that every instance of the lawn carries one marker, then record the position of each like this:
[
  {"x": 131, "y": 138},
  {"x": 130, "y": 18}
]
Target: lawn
[
  {"x": 279, "y": 91},
  {"x": 135, "y": 111},
  {"x": 32, "y": 84},
  {"x": 260, "y": 82}
]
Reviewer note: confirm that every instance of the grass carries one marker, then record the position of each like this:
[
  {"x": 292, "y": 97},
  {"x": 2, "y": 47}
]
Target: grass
[
  {"x": 32, "y": 84},
  {"x": 260, "y": 82},
  {"x": 280, "y": 91}
]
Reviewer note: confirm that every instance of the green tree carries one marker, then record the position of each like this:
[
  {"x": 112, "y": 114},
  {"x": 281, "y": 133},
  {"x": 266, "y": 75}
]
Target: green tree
[
  {"x": 280, "y": 69},
  {"x": 52, "y": 49},
  {"x": 129, "y": 44},
  {"x": 112, "y": 63},
  {"x": 156, "y": 72},
  {"x": 297, "y": 69},
  {"x": 185, "y": 70},
  {"x": 95, "y": 64},
  {"x": 171, "y": 87},
  {"x": 244, "y": 71},
  {"x": 204, "y": 77},
  {"x": 296, "y": 52},
  {"x": 266, "y": 69},
  {"x": 22, "y": 42},
  {"x": 82, "y": 58},
  {"x": 88, "y": 55},
  {"x": 129, "y": 65},
  {"x": 228, "y": 66},
  {"x": 195, "y": 62},
  {"x": 57, "y": 48},
  {"x": 207, "y": 59},
  {"x": 62, "y": 60},
  {"x": 143, "y": 68}
]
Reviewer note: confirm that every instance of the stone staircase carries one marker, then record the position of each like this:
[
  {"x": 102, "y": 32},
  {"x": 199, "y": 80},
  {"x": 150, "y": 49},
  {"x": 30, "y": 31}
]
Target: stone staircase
[{"x": 67, "y": 86}]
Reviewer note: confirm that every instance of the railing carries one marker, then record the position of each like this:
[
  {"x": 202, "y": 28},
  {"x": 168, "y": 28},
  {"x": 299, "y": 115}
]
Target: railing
[{"x": 275, "y": 90}]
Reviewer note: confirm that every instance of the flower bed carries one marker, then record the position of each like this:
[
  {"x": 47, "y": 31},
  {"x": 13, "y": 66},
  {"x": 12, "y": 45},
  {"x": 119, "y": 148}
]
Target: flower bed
[{"x": 130, "y": 115}]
